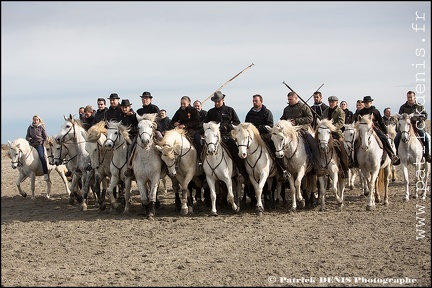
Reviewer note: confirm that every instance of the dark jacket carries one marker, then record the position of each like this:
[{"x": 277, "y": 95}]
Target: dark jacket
[
  {"x": 224, "y": 115},
  {"x": 260, "y": 119},
  {"x": 188, "y": 117},
  {"x": 131, "y": 121},
  {"x": 114, "y": 113},
  {"x": 349, "y": 116},
  {"x": 416, "y": 109},
  {"x": 87, "y": 122},
  {"x": 164, "y": 124},
  {"x": 99, "y": 115},
  {"x": 36, "y": 135},
  {"x": 300, "y": 112},
  {"x": 377, "y": 119},
  {"x": 150, "y": 109},
  {"x": 337, "y": 115},
  {"x": 319, "y": 108}
]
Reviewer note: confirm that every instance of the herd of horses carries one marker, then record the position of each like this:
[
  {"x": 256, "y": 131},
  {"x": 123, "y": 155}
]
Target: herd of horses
[{"x": 99, "y": 157}]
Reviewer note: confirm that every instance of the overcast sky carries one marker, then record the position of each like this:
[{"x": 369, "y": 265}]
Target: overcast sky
[{"x": 58, "y": 56}]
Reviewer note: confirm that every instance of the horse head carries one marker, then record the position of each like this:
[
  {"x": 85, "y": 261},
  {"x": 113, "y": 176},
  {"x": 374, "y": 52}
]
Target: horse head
[
  {"x": 116, "y": 135},
  {"x": 146, "y": 129},
  {"x": 281, "y": 132},
  {"x": 323, "y": 134},
  {"x": 350, "y": 135},
  {"x": 212, "y": 136},
  {"x": 365, "y": 130},
  {"x": 405, "y": 126}
]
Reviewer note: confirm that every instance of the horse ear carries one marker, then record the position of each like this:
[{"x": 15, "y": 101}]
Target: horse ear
[
  {"x": 268, "y": 128},
  {"x": 10, "y": 143}
]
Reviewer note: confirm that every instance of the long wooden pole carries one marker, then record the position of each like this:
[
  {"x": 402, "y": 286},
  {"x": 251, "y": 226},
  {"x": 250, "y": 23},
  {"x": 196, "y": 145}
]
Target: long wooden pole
[{"x": 223, "y": 85}]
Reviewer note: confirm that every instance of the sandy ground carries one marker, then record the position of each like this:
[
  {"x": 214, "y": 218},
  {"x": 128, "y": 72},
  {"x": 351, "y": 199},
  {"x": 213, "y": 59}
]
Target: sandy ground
[{"x": 46, "y": 242}]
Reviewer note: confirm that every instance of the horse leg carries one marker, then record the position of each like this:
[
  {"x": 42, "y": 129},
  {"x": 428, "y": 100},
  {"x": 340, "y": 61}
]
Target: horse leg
[
  {"x": 48, "y": 195},
  {"x": 297, "y": 183},
  {"x": 371, "y": 197},
  {"x": 212, "y": 186},
  {"x": 184, "y": 201},
  {"x": 230, "y": 197},
  {"x": 293, "y": 191},
  {"x": 32, "y": 185},
  {"x": 64, "y": 179},
  {"x": 387, "y": 172},
  {"x": 322, "y": 190},
  {"x": 406, "y": 180},
  {"x": 21, "y": 178},
  {"x": 341, "y": 189}
]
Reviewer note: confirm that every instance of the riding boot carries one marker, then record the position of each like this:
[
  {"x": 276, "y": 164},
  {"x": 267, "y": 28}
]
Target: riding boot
[
  {"x": 343, "y": 159},
  {"x": 282, "y": 169},
  {"x": 131, "y": 149},
  {"x": 313, "y": 145}
]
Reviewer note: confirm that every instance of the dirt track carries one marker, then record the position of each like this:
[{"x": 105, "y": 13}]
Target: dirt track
[{"x": 46, "y": 242}]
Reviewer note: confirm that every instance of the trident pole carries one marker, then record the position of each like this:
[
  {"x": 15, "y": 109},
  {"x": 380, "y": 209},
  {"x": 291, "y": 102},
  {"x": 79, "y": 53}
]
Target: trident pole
[
  {"x": 313, "y": 111},
  {"x": 223, "y": 85},
  {"x": 314, "y": 92}
]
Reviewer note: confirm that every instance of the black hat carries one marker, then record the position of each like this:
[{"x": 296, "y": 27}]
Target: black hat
[
  {"x": 113, "y": 96},
  {"x": 367, "y": 99},
  {"x": 217, "y": 96},
  {"x": 146, "y": 94},
  {"x": 333, "y": 98},
  {"x": 125, "y": 102}
]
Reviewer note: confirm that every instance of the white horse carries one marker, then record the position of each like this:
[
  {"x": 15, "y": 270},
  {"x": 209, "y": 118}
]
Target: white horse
[
  {"x": 330, "y": 161},
  {"x": 391, "y": 129},
  {"x": 259, "y": 165},
  {"x": 180, "y": 157},
  {"x": 291, "y": 147},
  {"x": 100, "y": 159},
  {"x": 71, "y": 138},
  {"x": 146, "y": 164},
  {"x": 218, "y": 165},
  {"x": 350, "y": 136},
  {"x": 58, "y": 154},
  {"x": 26, "y": 159},
  {"x": 410, "y": 151},
  {"x": 118, "y": 141},
  {"x": 369, "y": 157}
]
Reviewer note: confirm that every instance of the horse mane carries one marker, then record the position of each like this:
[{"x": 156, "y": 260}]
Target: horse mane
[
  {"x": 169, "y": 134},
  {"x": 287, "y": 128},
  {"x": 124, "y": 130},
  {"x": 213, "y": 123},
  {"x": 152, "y": 117},
  {"x": 249, "y": 126},
  {"x": 50, "y": 140},
  {"x": 96, "y": 130},
  {"x": 328, "y": 123}
]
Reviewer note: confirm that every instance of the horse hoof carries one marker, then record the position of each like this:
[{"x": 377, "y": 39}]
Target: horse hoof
[
  {"x": 213, "y": 214},
  {"x": 71, "y": 201},
  {"x": 184, "y": 211},
  {"x": 102, "y": 206},
  {"x": 190, "y": 210},
  {"x": 302, "y": 203},
  {"x": 150, "y": 217},
  {"x": 23, "y": 194},
  {"x": 351, "y": 187},
  {"x": 322, "y": 209},
  {"x": 237, "y": 210},
  {"x": 259, "y": 213},
  {"x": 370, "y": 208},
  {"x": 405, "y": 199},
  {"x": 83, "y": 207}
]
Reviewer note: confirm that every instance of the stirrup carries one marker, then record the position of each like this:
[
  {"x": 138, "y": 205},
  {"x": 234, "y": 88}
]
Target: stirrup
[{"x": 286, "y": 174}]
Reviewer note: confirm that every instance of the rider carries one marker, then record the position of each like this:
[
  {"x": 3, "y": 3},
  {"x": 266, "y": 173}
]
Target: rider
[
  {"x": 227, "y": 117},
  {"x": 147, "y": 108},
  {"x": 318, "y": 107},
  {"x": 301, "y": 114},
  {"x": 36, "y": 136},
  {"x": 420, "y": 115},
  {"x": 337, "y": 115},
  {"x": 379, "y": 127},
  {"x": 260, "y": 116},
  {"x": 187, "y": 117}
]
